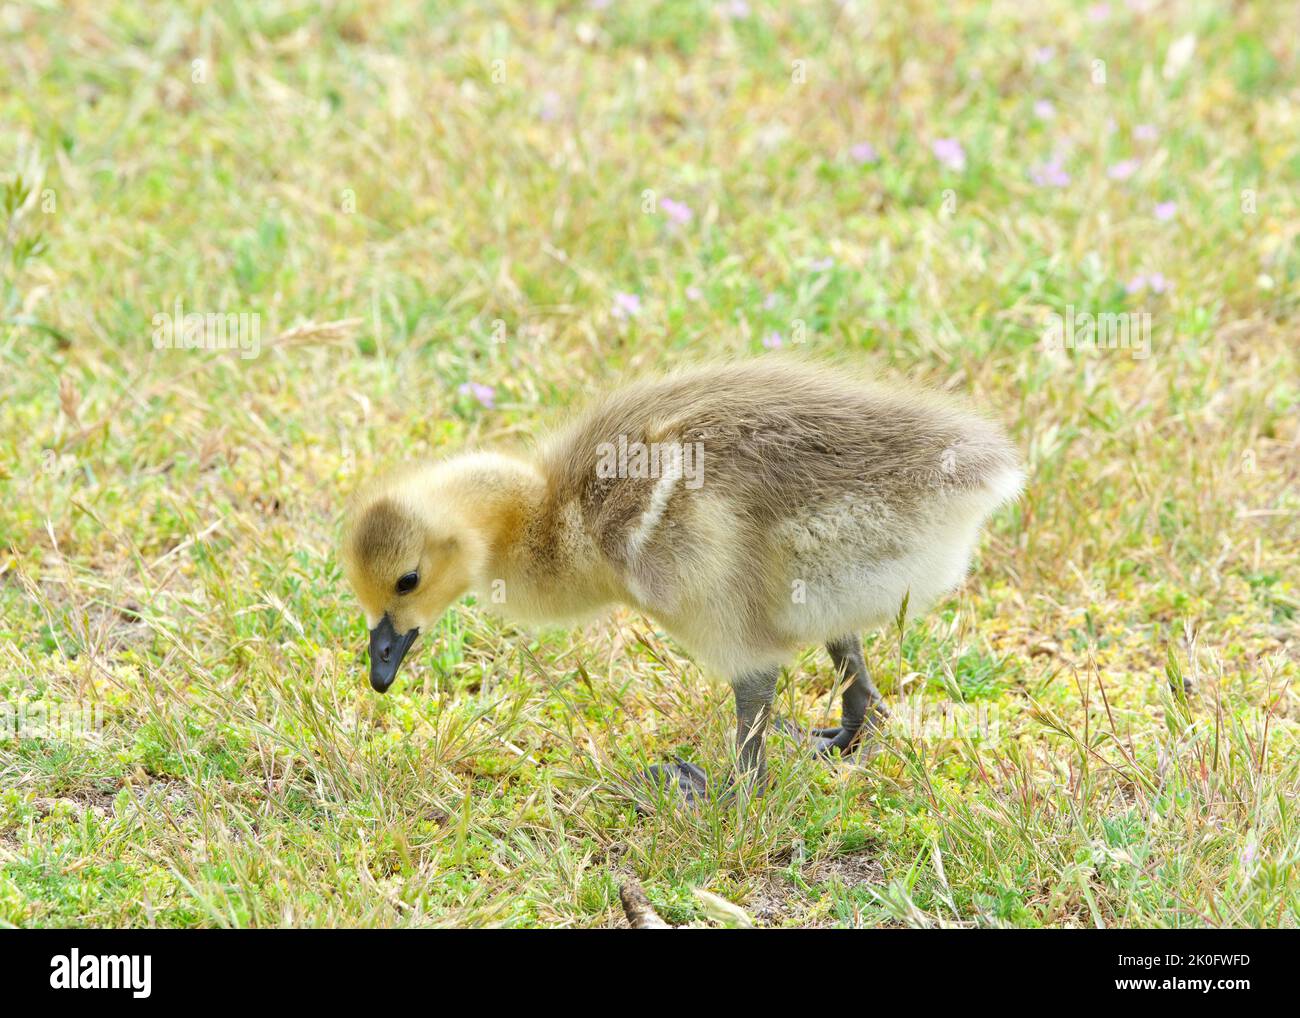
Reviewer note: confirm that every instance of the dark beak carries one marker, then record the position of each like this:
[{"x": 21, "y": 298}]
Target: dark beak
[{"x": 386, "y": 652}]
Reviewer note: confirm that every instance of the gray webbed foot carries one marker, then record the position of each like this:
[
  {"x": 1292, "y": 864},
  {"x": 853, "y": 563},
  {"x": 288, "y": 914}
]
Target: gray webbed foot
[
  {"x": 679, "y": 778},
  {"x": 842, "y": 741},
  {"x": 827, "y": 742},
  {"x": 687, "y": 784}
]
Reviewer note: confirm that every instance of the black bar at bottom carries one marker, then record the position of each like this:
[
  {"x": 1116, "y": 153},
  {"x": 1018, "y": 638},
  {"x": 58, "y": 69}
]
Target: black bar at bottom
[{"x": 595, "y": 968}]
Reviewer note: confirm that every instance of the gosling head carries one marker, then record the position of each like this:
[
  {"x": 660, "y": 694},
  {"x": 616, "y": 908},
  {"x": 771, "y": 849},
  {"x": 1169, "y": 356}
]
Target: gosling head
[{"x": 406, "y": 561}]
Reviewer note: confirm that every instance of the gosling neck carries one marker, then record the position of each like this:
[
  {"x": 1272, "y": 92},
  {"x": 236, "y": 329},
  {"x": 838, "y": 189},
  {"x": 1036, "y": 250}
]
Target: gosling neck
[{"x": 499, "y": 499}]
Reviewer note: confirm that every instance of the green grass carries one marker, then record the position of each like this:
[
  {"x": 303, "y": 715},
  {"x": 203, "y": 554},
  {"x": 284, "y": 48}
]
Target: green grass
[{"x": 407, "y": 215}]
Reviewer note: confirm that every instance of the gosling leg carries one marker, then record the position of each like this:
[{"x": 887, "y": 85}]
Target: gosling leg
[
  {"x": 861, "y": 705},
  {"x": 754, "y": 692}
]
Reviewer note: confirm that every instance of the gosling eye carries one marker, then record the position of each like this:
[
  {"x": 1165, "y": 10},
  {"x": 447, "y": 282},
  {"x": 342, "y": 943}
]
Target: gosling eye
[{"x": 408, "y": 583}]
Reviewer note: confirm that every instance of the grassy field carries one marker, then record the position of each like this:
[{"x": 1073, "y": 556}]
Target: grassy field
[{"x": 452, "y": 221}]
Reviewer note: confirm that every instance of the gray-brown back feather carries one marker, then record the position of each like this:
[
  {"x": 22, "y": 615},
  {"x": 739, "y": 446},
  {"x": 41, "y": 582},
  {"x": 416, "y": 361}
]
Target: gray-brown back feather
[{"x": 781, "y": 437}]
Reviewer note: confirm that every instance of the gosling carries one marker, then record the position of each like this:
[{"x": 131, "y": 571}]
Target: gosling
[{"x": 750, "y": 508}]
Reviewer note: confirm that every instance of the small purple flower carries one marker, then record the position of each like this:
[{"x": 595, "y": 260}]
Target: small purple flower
[
  {"x": 550, "y": 106},
  {"x": 485, "y": 394},
  {"x": 626, "y": 305},
  {"x": 864, "y": 153},
  {"x": 770, "y": 301},
  {"x": 1123, "y": 169},
  {"x": 1099, "y": 12},
  {"x": 822, "y": 264},
  {"x": 694, "y": 293},
  {"x": 1145, "y": 132},
  {"x": 1044, "y": 109},
  {"x": 1043, "y": 54},
  {"x": 1050, "y": 174},
  {"x": 772, "y": 341},
  {"x": 949, "y": 152},
  {"x": 738, "y": 9},
  {"x": 679, "y": 212},
  {"x": 1166, "y": 211},
  {"x": 1248, "y": 855},
  {"x": 1155, "y": 282}
]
